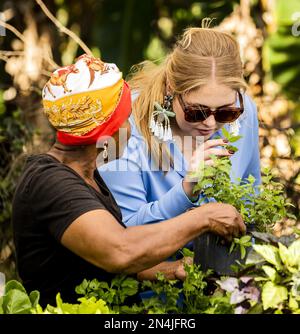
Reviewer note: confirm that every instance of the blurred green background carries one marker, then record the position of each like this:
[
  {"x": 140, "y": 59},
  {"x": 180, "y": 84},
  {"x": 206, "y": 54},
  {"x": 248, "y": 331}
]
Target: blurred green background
[{"x": 126, "y": 32}]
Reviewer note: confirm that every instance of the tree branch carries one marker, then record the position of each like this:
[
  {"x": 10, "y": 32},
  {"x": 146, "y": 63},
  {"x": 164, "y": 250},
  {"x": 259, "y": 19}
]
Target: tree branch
[
  {"x": 5, "y": 54},
  {"x": 62, "y": 28},
  {"x": 13, "y": 29},
  {"x": 11, "y": 53}
]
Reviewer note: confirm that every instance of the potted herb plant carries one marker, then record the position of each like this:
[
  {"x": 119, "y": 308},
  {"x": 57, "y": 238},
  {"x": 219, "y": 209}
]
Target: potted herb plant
[{"x": 260, "y": 206}]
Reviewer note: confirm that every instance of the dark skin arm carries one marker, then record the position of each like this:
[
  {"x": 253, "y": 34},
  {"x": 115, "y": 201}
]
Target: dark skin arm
[{"x": 99, "y": 239}]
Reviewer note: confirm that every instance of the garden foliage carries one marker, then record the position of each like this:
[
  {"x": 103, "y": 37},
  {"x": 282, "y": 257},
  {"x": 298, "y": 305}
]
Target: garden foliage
[{"x": 270, "y": 284}]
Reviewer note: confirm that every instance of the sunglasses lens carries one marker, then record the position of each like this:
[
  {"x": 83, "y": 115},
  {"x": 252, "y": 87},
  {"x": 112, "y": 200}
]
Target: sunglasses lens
[
  {"x": 194, "y": 115},
  {"x": 227, "y": 115}
]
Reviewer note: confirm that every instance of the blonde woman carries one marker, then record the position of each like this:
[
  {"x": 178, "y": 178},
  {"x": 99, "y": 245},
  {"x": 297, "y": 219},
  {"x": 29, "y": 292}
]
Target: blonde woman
[{"x": 200, "y": 83}]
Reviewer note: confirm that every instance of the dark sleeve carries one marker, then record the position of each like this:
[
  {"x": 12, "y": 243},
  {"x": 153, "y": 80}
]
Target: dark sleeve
[{"x": 58, "y": 197}]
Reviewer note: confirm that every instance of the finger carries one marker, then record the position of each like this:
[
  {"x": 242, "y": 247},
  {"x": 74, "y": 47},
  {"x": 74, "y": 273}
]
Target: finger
[
  {"x": 180, "y": 273},
  {"x": 233, "y": 231},
  {"x": 236, "y": 232},
  {"x": 214, "y": 142},
  {"x": 241, "y": 224},
  {"x": 217, "y": 152},
  {"x": 188, "y": 260},
  {"x": 225, "y": 233},
  {"x": 197, "y": 157}
]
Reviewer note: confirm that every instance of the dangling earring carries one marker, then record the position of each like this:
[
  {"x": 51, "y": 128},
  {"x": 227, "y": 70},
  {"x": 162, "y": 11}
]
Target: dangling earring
[
  {"x": 162, "y": 114},
  {"x": 234, "y": 127},
  {"x": 105, "y": 152}
]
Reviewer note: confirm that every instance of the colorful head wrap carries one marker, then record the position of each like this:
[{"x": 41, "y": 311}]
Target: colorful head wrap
[{"x": 86, "y": 100}]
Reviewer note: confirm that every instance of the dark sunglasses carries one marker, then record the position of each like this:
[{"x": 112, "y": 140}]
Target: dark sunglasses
[{"x": 199, "y": 113}]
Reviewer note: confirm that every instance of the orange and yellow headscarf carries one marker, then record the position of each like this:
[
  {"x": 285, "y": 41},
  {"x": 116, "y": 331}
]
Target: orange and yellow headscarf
[{"x": 86, "y": 100}]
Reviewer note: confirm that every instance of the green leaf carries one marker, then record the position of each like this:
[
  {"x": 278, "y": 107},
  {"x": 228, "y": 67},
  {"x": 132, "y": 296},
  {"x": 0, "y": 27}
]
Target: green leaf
[
  {"x": 39, "y": 310},
  {"x": 261, "y": 279},
  {"x": 243, "y": 251},
  {"x": 16, "y": 302},
  {"x": 59, "y": 303},
  {"x": 284, "y": 254},
  {"x": 232, "y": 247},
  {"x": 235, "y": 138},
  {"x": 186, "y": 252},
  {"x": 243, "y": 211},
  {"x": 273, "y": 295},
  {"x": 64, "y": 308},
  {"x": 251, "y": 179},
  {"x": 130, "y": 286},
  {"x": 271, "y": 273},
  {"x": 14, "y": 285},
  {"x": 225, "y": 169},
  {"x": 290, "y": 256},
  {"x": 269, "y": 253},
  {"x": 225, "y": 133},
  {"x": 94, "y": 284},
  {"x": 91, "y": 306},
  {"x": 34, "y": 298},
  {"x": 245, "y": 239},
  {"x": 294, "y": 254},
  {"x": 81, "y": 289}
]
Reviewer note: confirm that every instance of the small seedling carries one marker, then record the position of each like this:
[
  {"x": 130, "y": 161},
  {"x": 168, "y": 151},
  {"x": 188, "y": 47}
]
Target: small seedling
[{"x": 242, "y": 243}]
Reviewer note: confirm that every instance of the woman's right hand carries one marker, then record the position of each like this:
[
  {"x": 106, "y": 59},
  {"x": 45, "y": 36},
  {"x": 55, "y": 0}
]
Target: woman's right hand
[
  {"x": 206, "y": 149},
  {"x": 203, "y": 153}
]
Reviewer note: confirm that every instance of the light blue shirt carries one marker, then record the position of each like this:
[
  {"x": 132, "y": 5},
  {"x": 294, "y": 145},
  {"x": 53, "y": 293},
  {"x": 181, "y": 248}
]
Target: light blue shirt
[{"x": 146, "y": 196}]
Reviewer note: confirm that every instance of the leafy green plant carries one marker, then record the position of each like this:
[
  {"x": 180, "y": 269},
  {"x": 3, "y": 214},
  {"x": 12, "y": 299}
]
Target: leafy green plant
[
  {"x": 197, "y": 299},
  {"x": 262, "y": 204},
  {"x": 166, "y": 294},
  {"x": 193, "y": 296},
  {"x": 115, "y": 294},
  {"x": 85, "y": 306},
  {"x": 272, "y": 285},
  {"x": 16, "y": 300},
  {"x": 280, "y": 277}
]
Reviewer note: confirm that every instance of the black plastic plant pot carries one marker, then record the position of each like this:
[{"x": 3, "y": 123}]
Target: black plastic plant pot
[{"x": 211, "y": 253}]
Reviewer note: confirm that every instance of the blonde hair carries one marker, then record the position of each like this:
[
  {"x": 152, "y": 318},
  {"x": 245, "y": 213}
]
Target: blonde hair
[{"x": 199, "y": 56}]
